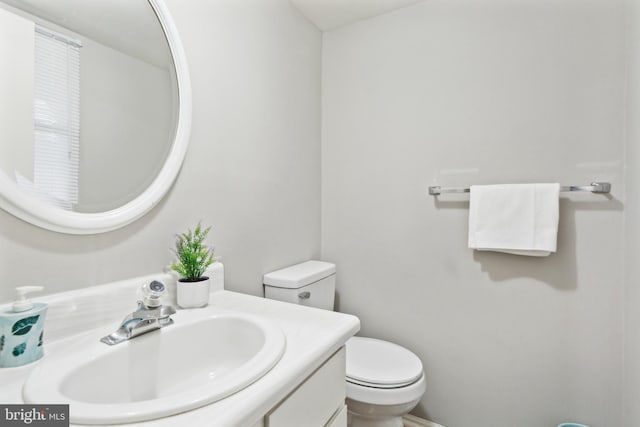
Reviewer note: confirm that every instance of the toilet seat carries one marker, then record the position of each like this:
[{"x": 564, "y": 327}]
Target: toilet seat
[
  {"x": 407, "y": 395},
  {"x": 380, "y": 364}
]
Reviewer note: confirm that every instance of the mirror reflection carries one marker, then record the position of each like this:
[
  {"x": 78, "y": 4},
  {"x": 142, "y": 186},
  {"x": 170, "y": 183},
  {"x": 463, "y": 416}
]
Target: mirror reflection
[{"x": 88, "y": 100}]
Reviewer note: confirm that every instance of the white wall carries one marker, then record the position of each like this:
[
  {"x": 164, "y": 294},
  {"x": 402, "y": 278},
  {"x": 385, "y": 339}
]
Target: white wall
[
  {"x": 252, "y": 170},
  {"x": 632, "y": 223},
  {"x": 460, "y": 92},
  {"x": 126, "y": 109},
  {"x": 16, "y": 94}
]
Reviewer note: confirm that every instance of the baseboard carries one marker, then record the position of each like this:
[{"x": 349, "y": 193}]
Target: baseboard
[{"x": 412, "y": 421}]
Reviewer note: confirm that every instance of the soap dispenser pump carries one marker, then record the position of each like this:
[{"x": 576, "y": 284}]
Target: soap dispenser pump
[{"x": 21, "y": 329}]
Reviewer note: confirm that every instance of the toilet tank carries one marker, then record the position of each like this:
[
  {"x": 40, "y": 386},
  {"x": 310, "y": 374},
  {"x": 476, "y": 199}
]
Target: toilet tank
[{"x": 311, "y": 283}]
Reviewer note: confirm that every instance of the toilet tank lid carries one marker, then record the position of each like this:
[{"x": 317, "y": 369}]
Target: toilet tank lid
[{"x": 299, "y": 275}]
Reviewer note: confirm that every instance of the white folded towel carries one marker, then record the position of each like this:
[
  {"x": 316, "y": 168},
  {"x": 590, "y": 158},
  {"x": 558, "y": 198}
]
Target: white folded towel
[{"x": 520, "y": 219}]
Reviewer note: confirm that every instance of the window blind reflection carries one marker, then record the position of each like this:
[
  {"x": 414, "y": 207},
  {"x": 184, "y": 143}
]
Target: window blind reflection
[{"x": 56, "y": 118}]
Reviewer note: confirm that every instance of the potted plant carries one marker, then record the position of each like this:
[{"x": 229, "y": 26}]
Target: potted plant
[{"x": 193, "y": 258}]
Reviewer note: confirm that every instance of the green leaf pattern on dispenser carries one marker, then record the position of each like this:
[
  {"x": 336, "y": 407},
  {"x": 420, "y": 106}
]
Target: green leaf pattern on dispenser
[
  {"x": 19, "y": 349},
  {"x": 23, "y": 326},
  {"x": 40, "y": 339},
  {"x": 1, "y": 343}
]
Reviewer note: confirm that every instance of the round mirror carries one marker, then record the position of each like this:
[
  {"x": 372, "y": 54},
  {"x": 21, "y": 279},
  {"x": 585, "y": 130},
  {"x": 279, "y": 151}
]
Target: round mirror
[{"x": 95, "y": 111}]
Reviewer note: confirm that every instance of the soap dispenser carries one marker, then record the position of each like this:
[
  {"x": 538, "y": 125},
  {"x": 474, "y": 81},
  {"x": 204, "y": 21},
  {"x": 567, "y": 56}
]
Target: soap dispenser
[{"x": 21, "y": 330}]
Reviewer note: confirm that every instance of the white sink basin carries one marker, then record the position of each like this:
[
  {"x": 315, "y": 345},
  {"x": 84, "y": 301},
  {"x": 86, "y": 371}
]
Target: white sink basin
[{"x": 184, "y": 366}]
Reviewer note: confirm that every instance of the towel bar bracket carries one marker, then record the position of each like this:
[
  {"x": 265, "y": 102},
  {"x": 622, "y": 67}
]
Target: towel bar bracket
[{"x": 595, "y": 187}]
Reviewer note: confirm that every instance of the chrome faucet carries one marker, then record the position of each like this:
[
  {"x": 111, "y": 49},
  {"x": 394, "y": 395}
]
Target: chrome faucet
[{"x": 149, "y": 316}]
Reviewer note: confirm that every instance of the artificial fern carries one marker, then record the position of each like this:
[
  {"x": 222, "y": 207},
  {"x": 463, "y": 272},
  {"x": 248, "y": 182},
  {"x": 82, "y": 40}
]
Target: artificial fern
[{"x": 193, "y": 256}]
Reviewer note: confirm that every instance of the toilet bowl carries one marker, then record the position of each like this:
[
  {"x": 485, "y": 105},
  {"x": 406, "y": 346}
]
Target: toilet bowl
[{"x": 384, "y": 381}]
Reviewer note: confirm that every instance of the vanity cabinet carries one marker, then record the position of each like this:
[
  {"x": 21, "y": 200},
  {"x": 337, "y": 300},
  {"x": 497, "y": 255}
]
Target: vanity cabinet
[{"x": 319, "y": 401}]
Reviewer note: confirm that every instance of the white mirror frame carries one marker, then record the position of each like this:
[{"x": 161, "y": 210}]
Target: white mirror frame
[{"x": 54, "y": 218}]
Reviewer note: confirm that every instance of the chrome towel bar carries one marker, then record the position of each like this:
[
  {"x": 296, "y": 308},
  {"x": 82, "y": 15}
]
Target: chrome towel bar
[{"x": 595, "y": 187}]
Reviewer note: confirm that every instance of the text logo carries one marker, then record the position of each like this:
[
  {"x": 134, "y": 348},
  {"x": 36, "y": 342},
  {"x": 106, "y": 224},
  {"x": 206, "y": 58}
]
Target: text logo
[{"x": 34, "y": 415}]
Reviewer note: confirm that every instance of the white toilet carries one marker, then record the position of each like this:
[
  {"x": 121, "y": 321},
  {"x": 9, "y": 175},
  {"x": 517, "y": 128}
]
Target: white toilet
[{"x": 384, "y": 380}]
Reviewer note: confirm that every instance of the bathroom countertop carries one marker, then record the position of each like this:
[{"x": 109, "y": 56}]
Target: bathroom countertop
[{"x": 312, "y": 336}]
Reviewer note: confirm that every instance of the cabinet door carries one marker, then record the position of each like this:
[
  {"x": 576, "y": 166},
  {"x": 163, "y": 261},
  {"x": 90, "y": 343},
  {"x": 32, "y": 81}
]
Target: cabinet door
[
  {"x": 339, "y": 419},
  {"x": 316, "y": 400}
]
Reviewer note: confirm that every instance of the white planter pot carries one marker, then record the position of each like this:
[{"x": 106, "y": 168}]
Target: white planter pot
[{"x": 193, "y": 294}]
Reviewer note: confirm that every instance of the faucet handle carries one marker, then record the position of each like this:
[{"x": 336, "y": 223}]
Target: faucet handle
[{"x": 152, "y": 292}]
